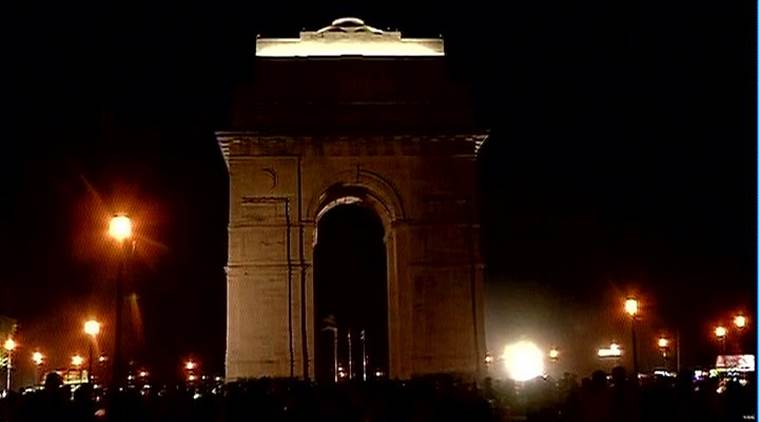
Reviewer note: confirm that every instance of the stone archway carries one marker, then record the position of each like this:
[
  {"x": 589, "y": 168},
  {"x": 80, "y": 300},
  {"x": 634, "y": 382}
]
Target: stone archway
[
  {"x": 350, "y": 292},
  {"x": 374, "y": 192}
]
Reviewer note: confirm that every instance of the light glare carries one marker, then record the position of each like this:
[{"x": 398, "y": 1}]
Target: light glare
[
  {"x": 92, "y": 327},
  {"x": 77, "y": 361},
  {"x": 553, "y": 353},
  {"x": 120, "y": 228},
  {"x": 720, "y": 331},
  {"x": 740, "y": 321},
  {"x": 631, "y": 307},
  {"x": 523, "y": 360},
  {"x": 9, "y": 344}
]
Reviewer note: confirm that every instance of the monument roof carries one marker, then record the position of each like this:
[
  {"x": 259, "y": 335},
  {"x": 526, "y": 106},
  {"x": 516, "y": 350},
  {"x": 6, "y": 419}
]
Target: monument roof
[
  {"x": 349, "y": 37},
  {"x": 345, "y": 87}
]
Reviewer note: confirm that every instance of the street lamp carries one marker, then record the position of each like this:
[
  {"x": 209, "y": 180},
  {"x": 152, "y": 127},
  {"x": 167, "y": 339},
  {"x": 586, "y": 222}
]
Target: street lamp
[
  {"x": 9, "y": 346},
  {"x": 740, "y": 321},
  {"x": 38, "y": 359},
  {"x": 190, "y": 366},
  {"x": 663, "y": 344},
  {"x": 92, "y": 329},
  {"x": 721, "y": 332},
  {"x": 120, "y": 229},
  {"x": 77, "y": 361},
  {"x": 553, "y": 354},
  {"x": 631, "y": 308}
]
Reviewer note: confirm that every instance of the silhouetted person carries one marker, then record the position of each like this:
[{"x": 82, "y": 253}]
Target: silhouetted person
[
  {"x": 594, "y": 399},
  {"x": 49, "y": 404},
  {"x": 625, "y": 401}
]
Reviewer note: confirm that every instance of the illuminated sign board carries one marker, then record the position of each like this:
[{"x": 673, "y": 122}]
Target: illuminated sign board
[
  {"x": 612, "y": 352},
  {"x": 736, "y": 363}
]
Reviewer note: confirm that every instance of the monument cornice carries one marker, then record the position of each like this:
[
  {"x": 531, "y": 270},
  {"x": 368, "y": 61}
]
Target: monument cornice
[{"x": 240, "y": 144}]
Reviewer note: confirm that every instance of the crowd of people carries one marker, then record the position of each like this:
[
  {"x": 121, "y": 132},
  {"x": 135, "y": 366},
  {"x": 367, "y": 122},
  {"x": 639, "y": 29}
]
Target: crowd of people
[
  {"x": 620, "y": 398},
  {"x": 602, "y": 397}
]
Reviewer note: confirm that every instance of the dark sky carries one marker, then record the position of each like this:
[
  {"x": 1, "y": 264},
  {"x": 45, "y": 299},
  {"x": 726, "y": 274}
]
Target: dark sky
[{"x": 622, "y": 159}]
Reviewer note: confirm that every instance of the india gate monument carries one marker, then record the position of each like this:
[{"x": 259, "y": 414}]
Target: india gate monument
[{"x": 354, "y": 127}]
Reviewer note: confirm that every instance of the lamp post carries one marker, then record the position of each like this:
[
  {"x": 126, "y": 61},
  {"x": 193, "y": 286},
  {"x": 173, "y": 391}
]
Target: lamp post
[
  {"x": 740, "y": 321},
  {"x": 190, "y": 366},
  {"x": 350, "y": 357},
  {"x": 92, "y": 329},
  {"x": 663, "y": 344},
  {"x": 9, "y": 346},
  {"x": 76, "y": 362},
  {"x": 721, "y": 333},
  {"x": 631, "y": 308},
  {"x": 38, "y": 359},
  {"x": 120, "y": 229},
  {"x": 553, "y": 354},
  {"x": 363, "y": 354}
]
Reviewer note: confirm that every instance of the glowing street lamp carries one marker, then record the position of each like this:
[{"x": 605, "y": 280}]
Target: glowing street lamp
[
  {"x": 740, "y": 321},
  {"x": 721, "y": 333},
  {"x": 663, "y": 343},
  {"x": 9, "y": 346},
  {"x": 191, "y": 366},
  {"x": 38, "y": 359},
  {"x": 120, "y": 229},
  {"x": 631, "y": 308},
  {"x": 553, "y": 354},
  {"x": 92, "y": 329},
  {"x": 77, "y": 361},
  {"x": 523, "y": 361}
]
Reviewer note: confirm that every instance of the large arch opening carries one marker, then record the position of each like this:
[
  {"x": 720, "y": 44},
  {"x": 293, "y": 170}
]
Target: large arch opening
[{"x": 350, "y": 293}]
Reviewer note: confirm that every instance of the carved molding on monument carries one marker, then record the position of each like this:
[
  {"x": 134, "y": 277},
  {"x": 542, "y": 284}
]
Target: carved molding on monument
[{"x": 242, "y": 144}]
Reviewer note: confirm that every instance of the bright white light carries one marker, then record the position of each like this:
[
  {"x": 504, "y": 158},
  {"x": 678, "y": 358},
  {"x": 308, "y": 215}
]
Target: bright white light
[
  {"x": 612, "y": 352},
  {"x": 92, "y": 327},
  {"x": 348, "y": 37},
  {"x": 9, "y": 345},
  {"x": 308, "y": 48},
  {"x": 77, "y": 361},
  {"x": 120, "y": 227},
  {"x": 523, "y": 360},
  {"x": 720, "y": 331},
  {"x": 631, "y": 306},
  {"x": 739, "y": 321},
  {"x": 553, "y": 353}
]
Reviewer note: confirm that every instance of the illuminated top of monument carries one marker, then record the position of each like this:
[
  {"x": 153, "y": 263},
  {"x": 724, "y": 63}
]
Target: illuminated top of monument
[{"x": 349, "y": 37}]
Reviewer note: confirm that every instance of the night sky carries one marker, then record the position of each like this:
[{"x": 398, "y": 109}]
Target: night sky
[{"x": 621, "y": 159}]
